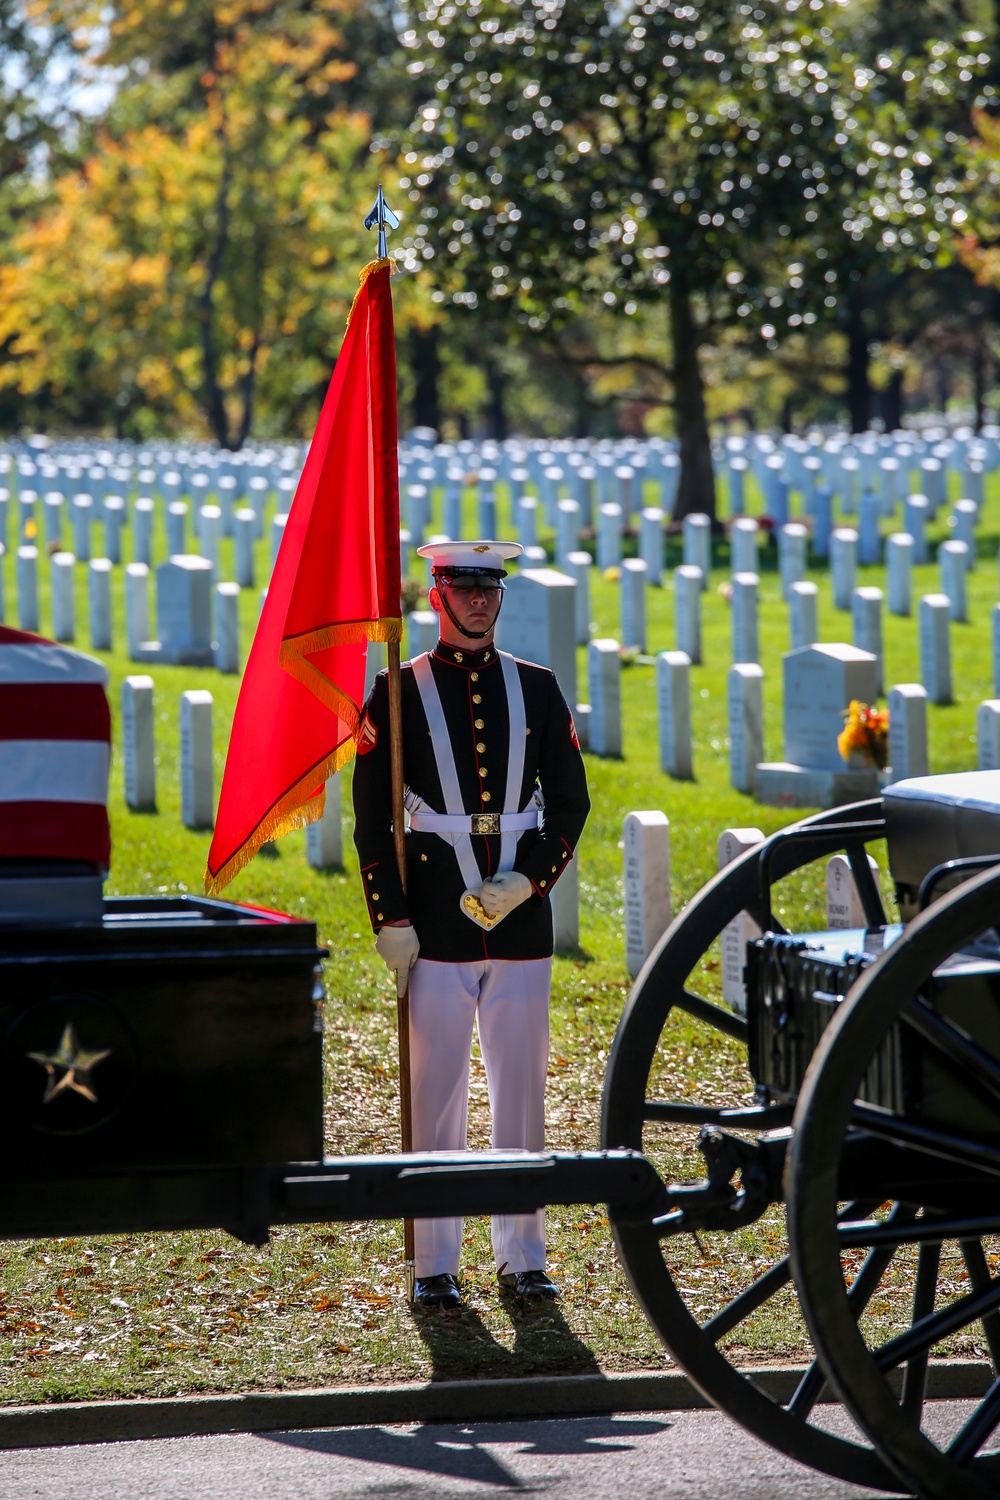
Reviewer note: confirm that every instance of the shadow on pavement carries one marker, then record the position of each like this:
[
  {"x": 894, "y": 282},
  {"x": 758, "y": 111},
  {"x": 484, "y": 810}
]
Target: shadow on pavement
[{"x": 459, "y": 1452}]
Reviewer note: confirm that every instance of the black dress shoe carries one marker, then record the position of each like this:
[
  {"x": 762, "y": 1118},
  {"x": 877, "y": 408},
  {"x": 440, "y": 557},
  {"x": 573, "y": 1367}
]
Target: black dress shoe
[
  {"x": 533, "y": 1286},
  {"x": 437, "y": 1291}
]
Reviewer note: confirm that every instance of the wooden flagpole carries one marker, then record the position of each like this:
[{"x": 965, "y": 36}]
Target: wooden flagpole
[
  {"x": 403, "y": 1000},
  {"x": 383, "y": 218}
]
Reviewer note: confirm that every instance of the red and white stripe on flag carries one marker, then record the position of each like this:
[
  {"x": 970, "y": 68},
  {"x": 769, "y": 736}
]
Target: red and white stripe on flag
[{"x": 55, "y": 752}]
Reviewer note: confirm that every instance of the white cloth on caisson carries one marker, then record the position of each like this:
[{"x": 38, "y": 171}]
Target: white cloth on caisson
[{"x": 509, "y": 1000}]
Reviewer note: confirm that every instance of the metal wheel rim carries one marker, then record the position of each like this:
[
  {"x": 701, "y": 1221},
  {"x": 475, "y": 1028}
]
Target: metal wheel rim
[
  {"x": 651, "y": 1001},
  {"x": 825, "y": 1106}
]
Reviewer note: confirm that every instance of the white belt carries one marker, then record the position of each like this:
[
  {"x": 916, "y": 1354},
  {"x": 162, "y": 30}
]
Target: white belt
[{"x": 482, "y": 823}]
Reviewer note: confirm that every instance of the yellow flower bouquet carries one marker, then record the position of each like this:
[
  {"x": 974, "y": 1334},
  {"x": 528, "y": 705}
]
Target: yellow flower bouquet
[{"x": 865, "y": 733}]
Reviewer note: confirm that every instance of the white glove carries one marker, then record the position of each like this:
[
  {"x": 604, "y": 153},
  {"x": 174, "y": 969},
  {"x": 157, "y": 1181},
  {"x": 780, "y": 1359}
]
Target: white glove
[
  {"x": 501, "y": 893},
  {"x": 399, "y": 948}
]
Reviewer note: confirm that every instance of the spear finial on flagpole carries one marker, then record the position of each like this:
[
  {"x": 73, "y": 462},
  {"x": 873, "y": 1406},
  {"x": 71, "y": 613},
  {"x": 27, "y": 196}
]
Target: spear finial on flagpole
[{"x": 382, "y": 215}]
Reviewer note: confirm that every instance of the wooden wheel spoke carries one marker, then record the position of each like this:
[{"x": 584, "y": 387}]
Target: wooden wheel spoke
[
  {"x": 714, "y": 1015},
  {"x": 924, "y": 1289},
  {"x": 868, "y": 891},
  {"x": 960, "y": 1050},
  {"x": 968, "y": 1441},
  {"x": 756, "y": 1117},
  {"x": 979, "y": 1279},
  {"x": 748, "y": 1302},
  {"x": 855, "y": 1234},
  {"x": 954, "y": 1148},
  {"x": 936, "y": 1326}
]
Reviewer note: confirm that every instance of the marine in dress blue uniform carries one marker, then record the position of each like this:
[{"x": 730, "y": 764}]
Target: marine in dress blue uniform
[{"x": 497, "y": 798}]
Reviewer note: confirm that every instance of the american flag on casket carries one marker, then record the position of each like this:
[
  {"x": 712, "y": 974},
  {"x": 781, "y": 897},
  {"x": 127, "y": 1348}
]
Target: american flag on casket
[{"x": 55, "y": 753}]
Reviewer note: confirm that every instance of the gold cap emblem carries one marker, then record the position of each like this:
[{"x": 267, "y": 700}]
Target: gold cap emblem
[{"x": 480, "y": 549}]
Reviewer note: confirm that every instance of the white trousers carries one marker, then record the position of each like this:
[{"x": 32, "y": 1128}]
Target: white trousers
[{"x": 509, "y": 1000}]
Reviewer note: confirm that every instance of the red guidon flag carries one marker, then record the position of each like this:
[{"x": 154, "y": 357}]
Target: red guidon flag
[
  {"x": 55, "y": 750},
  {"x": 335, "y": 586}
]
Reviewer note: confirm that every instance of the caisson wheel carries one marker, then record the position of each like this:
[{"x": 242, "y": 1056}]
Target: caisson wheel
[
  {"x": 712, "y": 1275},
  {"x": 902, "y": 1099}
]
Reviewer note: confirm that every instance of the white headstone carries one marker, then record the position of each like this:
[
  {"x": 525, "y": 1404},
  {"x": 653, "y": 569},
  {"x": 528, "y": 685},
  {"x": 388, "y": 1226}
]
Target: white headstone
[
  {"x": 114, "y": 520},
  {"x": 143, "y": 513},
  {"x": 966, "y": 512},
  {"x": 843, "y": 565},
  {"x": 647, "y": 884},
  {"x": 210, "y": 535},
  {"x": 324, "y": 837},
  {"x": 564, "y": 899},
  {"x": 578, "y": 566},
  {"x": 673, "y": 709},
  {"x": 651, "y": 543},
  {"x": 538, "y": 623},
  {"x": 227, "y": 624},
  {"x": 934, "y": 619},
  {"x": 176, "y": 527},
  {"x": 743, "y": 545},
  {"x": 907, "y": 705},
  {"x": 820, "y": 682},
  {"x": 915, "y": 521},
  {"x": 421, "y": 632},
  {"x": 899, "y": 556},
  {"x": 609, "y": 536},
  {"x": 197, "y": 772},
  {"x": 567, "y": 529},
  {"x": 634, "y": 576},
  {"x": 136, "y": 608},
  {"x": 745, "y": 701},
  {"x": 988, "y": 735},
  {"x": 63, "y": 580},
  {"x": 604, "y": 684},
  {"x": 843, "y": 904},
  {"x": 866, "y": 625},
  {"x": 138, "y": 743},
  {"x": 375, "y": 662},
  {"x": 953, "y": 560},
  {"x": 742, "y": 929},
  {"x": 995, "y": 632},
  {"x": 99, "y": 598},
  {"x": 803, "y": 613},
  {"x": 697, "y": 532},
  {"x": 688, "y": 583},
  {"x": 244, "y": 521},
  {"x": 869, "y": 535},
  {"x": 53, "y": 507},
  {"x": 791, "y": 555},
  {"x": 743, "y": 604},
  {"x": 184, "y": 610},
  {"x": 527, "y": 521},
  {"x": 82, "y": 513}
]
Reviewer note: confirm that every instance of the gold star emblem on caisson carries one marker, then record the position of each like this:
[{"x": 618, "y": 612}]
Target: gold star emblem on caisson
[{"x": 69, "y": 1067}]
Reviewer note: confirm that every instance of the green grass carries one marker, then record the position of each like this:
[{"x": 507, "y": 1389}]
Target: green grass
[{"x": 188, "y": 1312}]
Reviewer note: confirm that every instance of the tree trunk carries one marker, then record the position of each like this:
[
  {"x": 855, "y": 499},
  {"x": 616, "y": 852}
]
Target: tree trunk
[
  {"x": 496, "y": 382},
  {"x": 859, "y": 391},
  {"x": 892, "y": 402},
  {"x": 979, "y": 378},
  {"x": 696, "y": 489},
  {"x": 786, "y": 415},
  {"x": 425, "y": 362}
]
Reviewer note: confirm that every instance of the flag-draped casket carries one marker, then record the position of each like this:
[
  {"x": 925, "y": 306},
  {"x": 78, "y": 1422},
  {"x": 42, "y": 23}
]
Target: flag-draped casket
[{"x": 55, "y": 753}]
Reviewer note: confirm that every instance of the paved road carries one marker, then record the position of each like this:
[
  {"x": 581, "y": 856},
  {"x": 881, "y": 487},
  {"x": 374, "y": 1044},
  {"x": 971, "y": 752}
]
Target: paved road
[{"x": 696, "y": 1455}]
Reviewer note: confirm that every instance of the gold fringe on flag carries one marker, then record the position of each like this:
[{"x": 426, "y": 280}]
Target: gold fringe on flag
[{"x": 363, "y": 275}]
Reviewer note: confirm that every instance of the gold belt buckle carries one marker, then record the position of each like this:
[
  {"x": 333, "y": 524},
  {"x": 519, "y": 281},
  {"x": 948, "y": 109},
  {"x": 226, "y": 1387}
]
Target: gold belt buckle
[{"x": 485, "y": 822}]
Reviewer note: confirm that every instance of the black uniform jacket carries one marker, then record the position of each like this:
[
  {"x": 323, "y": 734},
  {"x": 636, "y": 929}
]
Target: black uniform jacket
[{"x": 474, "y": 700}]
